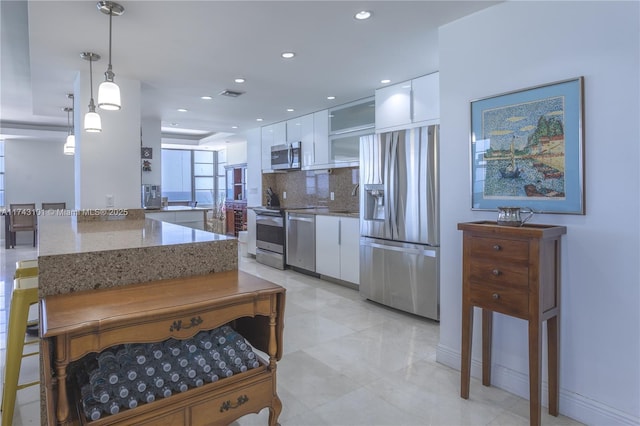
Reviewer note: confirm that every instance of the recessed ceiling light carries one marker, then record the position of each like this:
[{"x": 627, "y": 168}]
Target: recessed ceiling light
[
  {"x": 234, "y": 127},
  {"x": 288, "y": 55},
  {"x": 331, "y": 97},
  {"x": 182, "y": 110},
  {"x": 290, "y": 109},
  {"x": 206, "y": 98},
  {"x": 363, "y": 14},
  {"x": 258, "y": 119},
  {"x": 385, "y": 81},
  {"x": 239, "y": 80}
]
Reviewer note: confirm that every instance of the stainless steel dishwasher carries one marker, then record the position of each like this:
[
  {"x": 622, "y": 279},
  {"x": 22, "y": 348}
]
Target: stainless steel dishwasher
[{"x": 301, "y": 241}]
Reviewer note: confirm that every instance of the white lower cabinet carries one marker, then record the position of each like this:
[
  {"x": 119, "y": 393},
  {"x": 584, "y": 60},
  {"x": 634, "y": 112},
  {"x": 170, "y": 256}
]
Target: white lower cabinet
[{"x": 338, "y": 247}]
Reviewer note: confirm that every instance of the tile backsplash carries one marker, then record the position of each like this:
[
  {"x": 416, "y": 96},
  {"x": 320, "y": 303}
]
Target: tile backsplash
[{"x": 308, "y": 188}]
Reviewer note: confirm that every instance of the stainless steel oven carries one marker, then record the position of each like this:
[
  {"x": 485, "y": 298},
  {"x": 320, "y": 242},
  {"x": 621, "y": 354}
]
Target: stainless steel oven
[{"x": 270, "y": 237}]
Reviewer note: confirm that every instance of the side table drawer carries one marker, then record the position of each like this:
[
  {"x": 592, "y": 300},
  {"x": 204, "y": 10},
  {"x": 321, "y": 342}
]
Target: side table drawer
[
  {"x": 499, "y": 298},
  {"x": 500, "y": 248},
  {"x": 499, "y": 273},
  {"x": 237, "y": 401}
]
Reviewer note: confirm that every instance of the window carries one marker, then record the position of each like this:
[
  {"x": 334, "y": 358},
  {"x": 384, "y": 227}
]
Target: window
[
  {"x": 191, "y": 175},
  {"x": 1, "y": 172}
]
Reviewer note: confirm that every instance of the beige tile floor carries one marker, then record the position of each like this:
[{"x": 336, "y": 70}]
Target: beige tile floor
[{"x": 346, "y": 362}]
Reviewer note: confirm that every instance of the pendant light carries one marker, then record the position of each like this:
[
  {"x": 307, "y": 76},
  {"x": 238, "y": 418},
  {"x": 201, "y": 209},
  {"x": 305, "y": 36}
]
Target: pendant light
[
  {"x": 69, "y": 147},
  {"x": 109, "y": 92},
  {"x": 92, "y": 122}
]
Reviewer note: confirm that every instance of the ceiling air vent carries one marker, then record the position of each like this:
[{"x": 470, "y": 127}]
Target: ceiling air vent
[{"x": 231, "y": 93}]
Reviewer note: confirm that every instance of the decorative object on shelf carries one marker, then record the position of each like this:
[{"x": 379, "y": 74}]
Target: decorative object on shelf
[
  {"x": 109, "y": 92},
  {"x": 146, "y": 165},
  {"x": 146, "y": 152},
  {"x": 511, "y": 216},
  {"x": 92, "y": 122},
  {"x": 527, "y": 149}
]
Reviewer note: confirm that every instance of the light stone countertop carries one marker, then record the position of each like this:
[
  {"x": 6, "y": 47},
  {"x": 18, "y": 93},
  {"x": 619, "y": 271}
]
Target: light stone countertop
[
  {"x": 325, "y": 212},
  {"x": 64, "y": 235}
]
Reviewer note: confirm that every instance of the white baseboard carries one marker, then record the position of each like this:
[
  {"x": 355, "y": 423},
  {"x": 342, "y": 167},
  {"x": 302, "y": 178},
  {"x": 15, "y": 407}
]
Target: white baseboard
[{"x": 573, "y": 405}]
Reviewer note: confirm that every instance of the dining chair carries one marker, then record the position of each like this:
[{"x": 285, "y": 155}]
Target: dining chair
[
  {"x": 23, "y": 217},
  {"x": 54, "y": 206}
]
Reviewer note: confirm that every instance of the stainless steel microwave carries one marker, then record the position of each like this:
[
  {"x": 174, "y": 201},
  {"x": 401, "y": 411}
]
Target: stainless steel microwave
[{"x": 286, "y": 156}]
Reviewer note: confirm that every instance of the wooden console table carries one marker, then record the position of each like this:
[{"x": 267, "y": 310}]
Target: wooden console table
[
  {"x": 514, "y": 271},
  {"x": 75, "y": 324}
]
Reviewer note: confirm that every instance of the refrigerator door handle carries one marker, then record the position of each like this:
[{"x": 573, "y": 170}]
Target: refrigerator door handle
[
  {"x": 386, "y": 143},
  {"x": 393, "y": 174},
  {"x": 424, "y": 252}
]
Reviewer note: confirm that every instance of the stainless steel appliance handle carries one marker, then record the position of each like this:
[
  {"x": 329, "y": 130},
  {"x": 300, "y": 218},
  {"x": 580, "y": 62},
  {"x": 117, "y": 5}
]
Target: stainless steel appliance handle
[
  {"x": 387, "y": 201},
  {"x": 290, "y": 154},
  {"x": 273, "y": 222},
  {"x": 301, "y": 219},
  {"x": 393, "y": 173},
  {"x": 425, "y": 252}
]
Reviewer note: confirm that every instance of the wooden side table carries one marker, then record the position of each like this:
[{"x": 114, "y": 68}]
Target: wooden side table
[
  {"x": 74, "y": 324},
  {"x": 514, "y": 271}
]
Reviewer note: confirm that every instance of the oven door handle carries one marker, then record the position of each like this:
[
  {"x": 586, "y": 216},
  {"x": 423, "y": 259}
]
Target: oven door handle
[{"x": 270, "y": 221}]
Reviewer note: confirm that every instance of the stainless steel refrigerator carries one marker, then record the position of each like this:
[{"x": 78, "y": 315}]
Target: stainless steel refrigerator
[{"x": 399, "y": 222}]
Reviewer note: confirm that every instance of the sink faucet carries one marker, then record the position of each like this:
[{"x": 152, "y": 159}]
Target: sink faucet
[{"x": 354, "y": 192}]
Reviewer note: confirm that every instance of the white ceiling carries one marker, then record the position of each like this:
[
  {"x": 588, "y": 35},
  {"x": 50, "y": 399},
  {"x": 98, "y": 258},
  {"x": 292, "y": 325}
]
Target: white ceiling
[{"x": 181, "y": 50}]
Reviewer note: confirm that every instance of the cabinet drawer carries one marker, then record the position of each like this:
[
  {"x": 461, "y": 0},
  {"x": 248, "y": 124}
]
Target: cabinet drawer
[
  {"x": 499, "y": 272},
  {"x": 237, "y": 401},
  {"x": 500, "y": 249},
  {"x": 499, "y": 298}
]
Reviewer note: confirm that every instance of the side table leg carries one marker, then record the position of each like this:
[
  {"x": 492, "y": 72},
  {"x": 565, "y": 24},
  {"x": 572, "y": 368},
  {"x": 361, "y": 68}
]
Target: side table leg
[
  {"x": 465, "y": 368},
  {"x": 553, "y": 342},
  {"x": 487, "y": 338},
  {"x": 535, "y": 372}
]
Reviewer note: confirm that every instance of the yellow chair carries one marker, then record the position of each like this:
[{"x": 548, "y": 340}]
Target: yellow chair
[
  {"x": 26, "y": 268},
  {"x": 25, "y": 294}
]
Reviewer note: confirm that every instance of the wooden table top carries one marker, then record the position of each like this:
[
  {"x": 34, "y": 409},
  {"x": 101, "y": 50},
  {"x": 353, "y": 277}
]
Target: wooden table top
[{"x": 93, "y": 310}]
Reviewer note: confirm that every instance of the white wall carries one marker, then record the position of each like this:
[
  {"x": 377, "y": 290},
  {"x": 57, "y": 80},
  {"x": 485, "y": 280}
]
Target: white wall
[
  {"x": 108, "y": 163},
  {"x": 152, "y": 138},
  {"x": 38, "y": 171},
  {"x": 236, "y": 153},
  {"x": 254, "y": 183},
  {"x": 516, "y": 45}
]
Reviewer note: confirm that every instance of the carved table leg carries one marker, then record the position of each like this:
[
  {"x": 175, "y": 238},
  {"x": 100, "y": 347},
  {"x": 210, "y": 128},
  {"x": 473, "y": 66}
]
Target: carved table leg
[
  {"x": 274, "y": 411},
  {"x": 276, "y": 404},
  {"x": 62, "y": 410}
]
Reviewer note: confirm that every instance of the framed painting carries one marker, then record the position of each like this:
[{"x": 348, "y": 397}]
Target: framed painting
[{"x": 527, "y": 149}]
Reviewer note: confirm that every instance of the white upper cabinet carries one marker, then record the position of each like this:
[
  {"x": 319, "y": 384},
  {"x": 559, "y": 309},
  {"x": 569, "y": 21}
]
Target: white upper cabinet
[
  {"x": 408, "y": 104},
  {"x": 426, "y": 98},
  {"x": 393, "y": 105},
  {"x": 321, "y": 138},
  {"x": 274, "y": 134}
]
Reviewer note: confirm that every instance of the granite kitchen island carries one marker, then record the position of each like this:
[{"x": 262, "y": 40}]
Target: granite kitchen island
[
  {"x": 98, "y": 251},
  {"x": 77, "y": 254}
]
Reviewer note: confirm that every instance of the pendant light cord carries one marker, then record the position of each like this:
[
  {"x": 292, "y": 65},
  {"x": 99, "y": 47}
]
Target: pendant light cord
[
  {"x": 110, "y": 19},
  {"x": 91, "y": 76}
]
